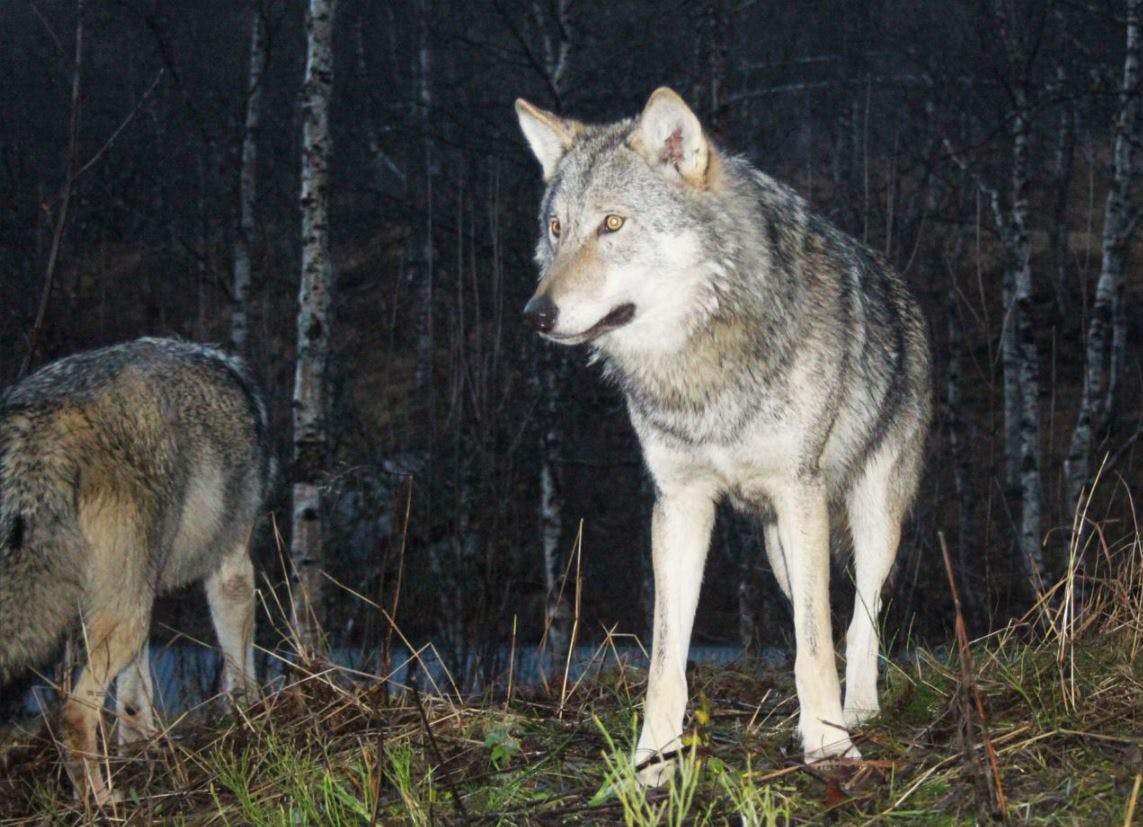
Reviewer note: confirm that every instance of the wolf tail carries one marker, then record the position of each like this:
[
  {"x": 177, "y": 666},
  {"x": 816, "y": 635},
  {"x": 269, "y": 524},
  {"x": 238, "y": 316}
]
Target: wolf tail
[{"x": 41, "y": 556}]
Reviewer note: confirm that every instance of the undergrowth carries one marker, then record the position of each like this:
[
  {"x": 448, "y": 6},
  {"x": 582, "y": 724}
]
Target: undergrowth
[{"x": 1038, "y": 723}]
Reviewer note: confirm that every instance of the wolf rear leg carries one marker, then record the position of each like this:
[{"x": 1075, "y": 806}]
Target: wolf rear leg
[
  {"x": 134, "y": 699},
  {"x": 875, "y": 525},
  {"x": 114, "y": 637},
  {"x": 680, "y": 536},
  {"x": 230, "y": 593},
  {"x": 803, "y": 530},
  {"x": 776, "y": 556}
]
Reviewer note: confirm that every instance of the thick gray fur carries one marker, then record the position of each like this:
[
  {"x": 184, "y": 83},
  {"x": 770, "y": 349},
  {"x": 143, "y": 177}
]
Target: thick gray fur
[
  {"x": 126, "y": 472},
  {"x": 765, "y": 356}
]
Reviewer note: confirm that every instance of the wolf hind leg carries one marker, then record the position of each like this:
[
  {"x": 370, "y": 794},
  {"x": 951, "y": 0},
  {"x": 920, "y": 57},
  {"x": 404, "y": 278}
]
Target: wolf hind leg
[
  {"x": 777, "y": 556},
  {"x": 875, "y": 515},
  {"x": 803, "y": 528},
  {"x": 114, "y": 637},
  {"x": 135, "y": 699},
  {"x": 230, "y": 593}
]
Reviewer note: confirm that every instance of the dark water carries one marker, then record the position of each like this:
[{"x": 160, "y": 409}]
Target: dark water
[{"x": 187, "y": 675}]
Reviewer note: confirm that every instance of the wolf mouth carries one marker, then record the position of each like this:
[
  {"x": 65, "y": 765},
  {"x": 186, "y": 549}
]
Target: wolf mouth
[{"x": 618, "y": 317}]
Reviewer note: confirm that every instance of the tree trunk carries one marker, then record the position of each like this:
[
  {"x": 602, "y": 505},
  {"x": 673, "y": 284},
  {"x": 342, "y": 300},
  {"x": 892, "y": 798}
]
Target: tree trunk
[
  {"x": 556, "y": 41},
  {"x": 1106, "y": 329},
  {"x": 239, "y": 313},
  {"x": 313, "y": 334},
  {"x": 557, "y": 611},
  {"x": 423, "y": 378},
  {"x": 709, "y": 92},
  {"x": 960, "y": 440},
  {"x": 1010, "y": 368},
  {"x": 1028, "y": 356},
  {"x": 1058, "y": 229}
]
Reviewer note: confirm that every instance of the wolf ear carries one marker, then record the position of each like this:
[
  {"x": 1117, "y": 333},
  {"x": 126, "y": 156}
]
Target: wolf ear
[
  {"x": 549, "y": 136},
  {"x": 670, "y": 138}
]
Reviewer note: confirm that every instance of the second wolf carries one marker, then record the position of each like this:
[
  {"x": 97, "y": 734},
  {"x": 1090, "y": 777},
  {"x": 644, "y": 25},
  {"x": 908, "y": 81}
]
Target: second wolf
[
  {"x": 765, "y": 357},
  {"x": 124, "y": 473}
]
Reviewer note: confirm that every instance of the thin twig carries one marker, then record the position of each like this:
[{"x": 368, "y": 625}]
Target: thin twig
[
  {"x": 386, "y": 651},
  {"x": 65, "y": 196},
  {"x": 439, "y": 758},
  {"x": 511, "y": 665}
]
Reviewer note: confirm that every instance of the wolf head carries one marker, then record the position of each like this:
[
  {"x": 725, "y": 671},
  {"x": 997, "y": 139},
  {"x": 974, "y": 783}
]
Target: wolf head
[{"x": 621, "y": 252}]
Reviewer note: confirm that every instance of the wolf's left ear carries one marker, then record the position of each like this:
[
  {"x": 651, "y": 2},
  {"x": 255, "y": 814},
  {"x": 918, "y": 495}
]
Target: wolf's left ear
[
  {"x": 670, "y": 138},
  {"x": 549, "y": 135}
]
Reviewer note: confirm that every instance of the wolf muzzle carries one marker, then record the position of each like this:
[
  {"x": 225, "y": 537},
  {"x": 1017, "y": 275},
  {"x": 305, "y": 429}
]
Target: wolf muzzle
[{"x": 540, "y": 314}]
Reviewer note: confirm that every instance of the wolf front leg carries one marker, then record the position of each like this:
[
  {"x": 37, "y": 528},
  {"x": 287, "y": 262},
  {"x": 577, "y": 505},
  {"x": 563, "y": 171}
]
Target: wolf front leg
[
  {"x": 680, "y": 535},
  {"x": 803, "y": 529}
]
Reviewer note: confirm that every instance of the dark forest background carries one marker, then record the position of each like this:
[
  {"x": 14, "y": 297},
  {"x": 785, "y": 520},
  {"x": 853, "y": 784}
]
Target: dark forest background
[{"x": 903, "y": 122}]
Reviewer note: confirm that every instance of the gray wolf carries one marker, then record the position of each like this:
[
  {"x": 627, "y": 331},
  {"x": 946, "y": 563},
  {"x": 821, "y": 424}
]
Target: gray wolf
[
  {"x": 126, "y": 472},
  {"x": 765, "y": 356}
]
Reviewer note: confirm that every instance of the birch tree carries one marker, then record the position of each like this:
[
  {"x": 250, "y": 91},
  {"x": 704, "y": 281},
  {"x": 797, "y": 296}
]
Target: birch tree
[
  {"x": 958, "y": 431},
  {"x": 1106, "y": 337},
  {"x": 1019, "y": 353},
  {"x": 240, "y": 288},
  {"x": 547, "y": 39},
  {"x": 313, "y": 329},
  {"x": 1027, "y": 368}
]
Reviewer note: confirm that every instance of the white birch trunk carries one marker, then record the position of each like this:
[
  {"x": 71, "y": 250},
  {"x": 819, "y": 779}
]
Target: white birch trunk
[
  {"x": 557, "y": 606},
  {"x": 313, "y": 333},
  {"x": 1118, "y": 353},
  {"x": 1106, "y": 329},
  {"x": 1027, "y": 356},
  {"x": 1009, "y": 364},
  {"x": 240, "y": 289},
  {"x": 552, "y": 371}
]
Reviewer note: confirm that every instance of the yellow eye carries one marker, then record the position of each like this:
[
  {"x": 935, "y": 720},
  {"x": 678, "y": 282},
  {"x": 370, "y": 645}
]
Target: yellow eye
[
  {"x": 554, "y": 226},
  {"x": 613, "y": 222}
]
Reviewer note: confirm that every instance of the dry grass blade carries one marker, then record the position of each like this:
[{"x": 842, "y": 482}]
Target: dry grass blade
[{"x": 969, "y": 689}]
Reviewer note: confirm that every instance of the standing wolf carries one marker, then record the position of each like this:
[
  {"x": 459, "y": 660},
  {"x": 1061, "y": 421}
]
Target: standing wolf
[
  {"x": 124, "y": 473},
  {"x": 765, "y": 356}
]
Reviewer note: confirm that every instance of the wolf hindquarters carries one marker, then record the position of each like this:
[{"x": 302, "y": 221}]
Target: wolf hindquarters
[{"x": 124, "y": 473}]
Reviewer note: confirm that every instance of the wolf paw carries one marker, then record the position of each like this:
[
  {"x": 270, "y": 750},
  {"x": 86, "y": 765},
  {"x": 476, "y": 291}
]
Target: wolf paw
[
  {"x": 827, "y": 758},
  {"x": 654, "y": 769},
  {"x": 857, "y": 715},
  {"x": 828, "y": 742}
]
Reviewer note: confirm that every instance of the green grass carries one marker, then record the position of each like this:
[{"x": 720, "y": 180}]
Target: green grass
[{"x": 1061, "y": 691}]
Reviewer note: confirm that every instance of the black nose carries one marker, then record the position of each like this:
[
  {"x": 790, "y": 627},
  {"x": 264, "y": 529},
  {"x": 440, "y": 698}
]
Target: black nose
[{"x": 540, "y": 314}]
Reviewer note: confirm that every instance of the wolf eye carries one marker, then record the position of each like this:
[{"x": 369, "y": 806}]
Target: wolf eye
[
  {"x": 554, "y": 227},
  {"x": 612, "y": 223}
]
